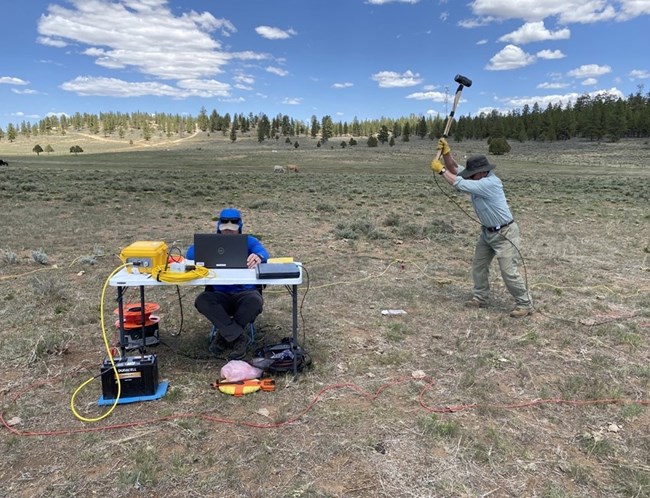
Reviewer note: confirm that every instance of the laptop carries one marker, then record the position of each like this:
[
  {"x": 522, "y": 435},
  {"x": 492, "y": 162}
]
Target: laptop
[
  {"x": 277, "y": 270},
  {"x": 216, "y": 250}
]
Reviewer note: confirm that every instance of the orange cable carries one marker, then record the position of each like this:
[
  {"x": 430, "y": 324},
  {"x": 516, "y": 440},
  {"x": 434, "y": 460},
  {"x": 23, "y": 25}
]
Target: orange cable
[{"x": 371, "y": 396}]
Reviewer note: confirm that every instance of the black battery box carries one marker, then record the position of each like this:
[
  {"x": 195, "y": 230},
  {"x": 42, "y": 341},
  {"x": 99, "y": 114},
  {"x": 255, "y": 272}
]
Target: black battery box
[{"x": 138, "y": 376}]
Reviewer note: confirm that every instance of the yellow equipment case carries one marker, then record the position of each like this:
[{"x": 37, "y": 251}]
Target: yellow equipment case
[{"x": 144, "y": 255}]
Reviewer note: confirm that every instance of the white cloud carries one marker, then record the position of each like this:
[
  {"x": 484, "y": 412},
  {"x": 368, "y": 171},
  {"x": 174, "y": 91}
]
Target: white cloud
[
  {"x": 243, "y": 81},
  {"x": 552, "y": 86},
  {"x": 292, "y": 100},
  {"x": 113, "y": 87},
  {"x": 590, "y": 82},
  {"x": 271, "y": 33},
  {"x": 482, "y": 42},
  {"x": 246, "y": 79},
  {"x": 277, "y": 70},
  {"x": 639, "y": 74},
  {"x": 566, "y": 11},
  {"x": 550, "y": 54},
  {"x": 510, "y": 57},
  {"x": 9, "y": 80},
  {"x": 391, "y": 79},
  {"x": 544, "y": 100},
  {"x": 143, "y": 34},
  {"x": 46, "y": 40},
  {"x": 475, "y": 23},
  {"x": 206, "y": 87},
  {"x": 26, "y": 91},
  {"x": 58, "y": 114},
  {"x": 233, "y": 100},
  {"x": 589, "y": 70},
  {"x": 382, "y": 2},
  {"x": 633, "y": 8},
  {"x": 342, "y": 85},
  {"x": 22, "y": 115},
  {"x": 534, "y": 32},
  {"x": 434, "y": 96},
  {"x": 249, "y": 56}
]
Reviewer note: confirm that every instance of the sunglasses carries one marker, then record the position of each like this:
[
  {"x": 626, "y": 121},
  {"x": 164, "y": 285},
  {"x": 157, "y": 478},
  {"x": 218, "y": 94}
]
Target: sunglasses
[{"x": 229, "y": 220}]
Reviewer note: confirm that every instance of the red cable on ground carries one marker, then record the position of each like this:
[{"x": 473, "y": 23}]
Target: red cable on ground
[{"x": 371, "y": 396}]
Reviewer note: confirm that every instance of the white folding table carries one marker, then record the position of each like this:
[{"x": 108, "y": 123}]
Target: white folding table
[{"x": 124, "y": 279}]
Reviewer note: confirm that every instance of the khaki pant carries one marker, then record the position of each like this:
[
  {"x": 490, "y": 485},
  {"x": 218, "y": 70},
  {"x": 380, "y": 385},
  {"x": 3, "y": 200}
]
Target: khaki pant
[{"x": 502, "y": 244}]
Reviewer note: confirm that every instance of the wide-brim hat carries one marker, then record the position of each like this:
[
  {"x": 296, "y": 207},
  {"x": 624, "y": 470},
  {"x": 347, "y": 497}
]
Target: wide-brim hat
[{"x": 476, "y": 164}]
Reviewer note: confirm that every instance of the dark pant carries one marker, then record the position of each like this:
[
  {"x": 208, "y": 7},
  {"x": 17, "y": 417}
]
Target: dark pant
[{"x": 230, "y": 312}]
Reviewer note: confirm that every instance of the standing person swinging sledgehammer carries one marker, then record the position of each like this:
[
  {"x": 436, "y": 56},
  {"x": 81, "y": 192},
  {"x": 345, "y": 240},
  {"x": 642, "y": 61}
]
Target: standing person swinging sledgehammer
[{"x": 499, "y": 231}]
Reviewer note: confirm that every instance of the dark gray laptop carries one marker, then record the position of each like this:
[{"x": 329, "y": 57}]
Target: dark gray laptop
[{"x": 216, "y": 250}]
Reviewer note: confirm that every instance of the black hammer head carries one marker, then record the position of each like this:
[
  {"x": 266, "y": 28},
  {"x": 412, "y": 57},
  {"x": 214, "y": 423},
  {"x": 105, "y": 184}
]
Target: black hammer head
[{"x": 463, "y": 80}]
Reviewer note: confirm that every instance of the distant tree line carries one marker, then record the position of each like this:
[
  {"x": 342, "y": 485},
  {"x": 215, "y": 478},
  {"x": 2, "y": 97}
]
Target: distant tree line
[{"x": 599, "y": 117}]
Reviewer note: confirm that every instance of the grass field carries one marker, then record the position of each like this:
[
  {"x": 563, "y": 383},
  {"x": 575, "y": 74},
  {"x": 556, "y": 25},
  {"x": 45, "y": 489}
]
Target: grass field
[{"x": 553, "y": 405}]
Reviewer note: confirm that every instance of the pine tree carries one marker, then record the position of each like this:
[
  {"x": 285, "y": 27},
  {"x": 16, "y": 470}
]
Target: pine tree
[
  {"x": 315, "y": 127},
  {"x": 406, "y": 132},
  {"x": 421, "y": 130},
  {"x": 327, "y": 131},
  {"x": 263, "y": 128},
  {"x": 11, "y": 132},
  {"x": 382, "y": 136},
  {"x": 202, "y": 121}
]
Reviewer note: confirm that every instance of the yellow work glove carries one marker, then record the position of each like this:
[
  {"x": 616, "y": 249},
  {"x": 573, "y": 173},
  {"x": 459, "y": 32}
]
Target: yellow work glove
[
  {"x": 437, "y": 166},
  {"x": 443, "y": 147}
]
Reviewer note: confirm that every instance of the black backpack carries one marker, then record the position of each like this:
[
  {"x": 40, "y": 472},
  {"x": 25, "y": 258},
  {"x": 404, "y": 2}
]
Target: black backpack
[{"x": 279, "y": 358}]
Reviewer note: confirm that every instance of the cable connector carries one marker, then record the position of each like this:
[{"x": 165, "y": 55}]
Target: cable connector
[{"x": 177, "y": 267}]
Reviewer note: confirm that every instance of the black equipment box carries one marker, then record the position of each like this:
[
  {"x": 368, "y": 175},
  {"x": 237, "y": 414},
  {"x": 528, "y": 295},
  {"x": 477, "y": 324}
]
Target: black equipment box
[
  {"x": 138, "y": 376},
  {"x": 133, "y": 336},
  {"x": 277, "y": 270}
]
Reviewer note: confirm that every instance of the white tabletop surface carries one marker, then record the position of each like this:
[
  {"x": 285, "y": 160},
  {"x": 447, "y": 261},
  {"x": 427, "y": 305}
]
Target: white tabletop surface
[{"x": 217, "y": 277}]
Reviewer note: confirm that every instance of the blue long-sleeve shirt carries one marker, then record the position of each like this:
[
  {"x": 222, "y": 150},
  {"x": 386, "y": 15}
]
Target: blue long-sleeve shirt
[
  {"x": 254, "y": 247},
  {"x": 488, "y": 199}
]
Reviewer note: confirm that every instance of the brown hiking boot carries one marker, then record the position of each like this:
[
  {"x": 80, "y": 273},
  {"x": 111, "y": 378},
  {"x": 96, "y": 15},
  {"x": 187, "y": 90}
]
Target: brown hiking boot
[
  {"x": 521, "y": 312},
  {"x": 475, "y": 303}
]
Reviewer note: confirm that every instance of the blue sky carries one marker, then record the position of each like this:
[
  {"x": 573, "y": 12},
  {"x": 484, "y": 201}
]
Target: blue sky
[{"x": 343, "y": 58}]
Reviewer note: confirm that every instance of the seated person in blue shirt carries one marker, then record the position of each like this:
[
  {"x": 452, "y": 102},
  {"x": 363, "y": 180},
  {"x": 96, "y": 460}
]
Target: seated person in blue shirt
[{"x": 231, "y": 307}]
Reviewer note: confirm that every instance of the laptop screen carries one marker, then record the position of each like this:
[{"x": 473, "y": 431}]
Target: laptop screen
[{"x": 216, "y": 250}]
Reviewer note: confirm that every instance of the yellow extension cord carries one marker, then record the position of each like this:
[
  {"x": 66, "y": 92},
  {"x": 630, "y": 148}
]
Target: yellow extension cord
[
  {"x": 160, "y": 274},
  {"x": 110, "y": 356}
]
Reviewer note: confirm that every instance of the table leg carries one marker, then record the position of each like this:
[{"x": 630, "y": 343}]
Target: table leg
[
  {"x": 294, "y": 325},
  {"x": 143, "y": 348},
  {"x": 120, "y": 316}
]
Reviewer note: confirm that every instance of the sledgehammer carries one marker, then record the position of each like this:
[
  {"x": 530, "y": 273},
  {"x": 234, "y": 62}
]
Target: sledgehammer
[{"x": 463, "y": 81}]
